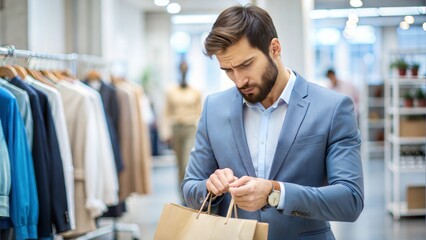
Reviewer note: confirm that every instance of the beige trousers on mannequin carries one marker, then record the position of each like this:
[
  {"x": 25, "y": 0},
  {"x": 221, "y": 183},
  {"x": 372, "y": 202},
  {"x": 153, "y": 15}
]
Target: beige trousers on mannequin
[{"x": 183, "y": 141}]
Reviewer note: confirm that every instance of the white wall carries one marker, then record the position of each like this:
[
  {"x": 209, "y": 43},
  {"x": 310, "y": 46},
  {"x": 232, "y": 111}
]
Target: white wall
[
  {"x": 46, "y": 24},
  {"x": 127, "y": 43},
  {"x": 292, "y": 23},
  {"x": 14, "y": 23},
  {"x": 159, "y": 57}
]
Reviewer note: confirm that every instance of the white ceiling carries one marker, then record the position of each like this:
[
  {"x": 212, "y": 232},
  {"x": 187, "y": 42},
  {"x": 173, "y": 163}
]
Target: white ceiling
[
  {"x": 216, "y": 6},
  {"x": 190, "y": 6},
  {"x": 201, "y": 6}
]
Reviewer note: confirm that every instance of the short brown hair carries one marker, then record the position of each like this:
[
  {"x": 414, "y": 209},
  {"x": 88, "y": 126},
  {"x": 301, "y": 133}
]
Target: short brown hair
[{"x": 237, "y": 22}]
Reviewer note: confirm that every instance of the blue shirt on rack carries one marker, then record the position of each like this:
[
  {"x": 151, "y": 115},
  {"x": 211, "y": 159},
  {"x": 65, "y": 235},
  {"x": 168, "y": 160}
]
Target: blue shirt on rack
[
  {"x": 4, "y": 176},
  {"x": 23, "y": 195}
]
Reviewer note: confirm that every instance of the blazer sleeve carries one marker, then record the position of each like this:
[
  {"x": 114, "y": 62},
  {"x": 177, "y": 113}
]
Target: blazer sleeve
[{"x": 343, "y": 198}]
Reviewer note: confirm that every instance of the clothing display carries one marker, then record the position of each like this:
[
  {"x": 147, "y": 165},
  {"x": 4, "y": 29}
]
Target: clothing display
[
  {"x": 61, "y": 156},
  {"x": 53, "y": 206}
]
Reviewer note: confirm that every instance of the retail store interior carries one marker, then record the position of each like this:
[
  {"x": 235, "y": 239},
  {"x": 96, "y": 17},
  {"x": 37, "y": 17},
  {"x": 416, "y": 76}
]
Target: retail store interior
[{"x": 376, "y": 46}]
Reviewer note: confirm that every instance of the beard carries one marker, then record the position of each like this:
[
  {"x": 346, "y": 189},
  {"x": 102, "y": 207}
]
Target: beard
[{"x": 269, "y": 77}]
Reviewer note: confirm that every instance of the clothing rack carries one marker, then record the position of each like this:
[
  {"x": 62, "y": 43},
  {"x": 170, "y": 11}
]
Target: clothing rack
[
  {"x": 10, "y": 51},
  {"x": 76, "y": 60},
  {"x": 114, "y": 228}
]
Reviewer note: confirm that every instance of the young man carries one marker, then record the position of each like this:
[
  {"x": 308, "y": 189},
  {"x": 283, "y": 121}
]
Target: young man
[{"x": 286, "y": 150}]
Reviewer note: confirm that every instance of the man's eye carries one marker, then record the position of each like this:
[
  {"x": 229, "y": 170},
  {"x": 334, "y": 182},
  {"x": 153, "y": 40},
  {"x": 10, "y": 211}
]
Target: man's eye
[{"x": 245, "y": 65}]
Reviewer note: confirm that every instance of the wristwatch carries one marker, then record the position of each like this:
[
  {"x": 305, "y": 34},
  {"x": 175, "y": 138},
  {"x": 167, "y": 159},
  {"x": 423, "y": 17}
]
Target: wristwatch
[{"x": 274, "y": 196}]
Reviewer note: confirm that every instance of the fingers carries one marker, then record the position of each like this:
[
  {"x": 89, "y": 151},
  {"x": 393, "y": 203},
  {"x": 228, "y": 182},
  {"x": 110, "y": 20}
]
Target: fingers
[
  {"x": 218, "y": 182},
  {"x": 250, "y": 193}
]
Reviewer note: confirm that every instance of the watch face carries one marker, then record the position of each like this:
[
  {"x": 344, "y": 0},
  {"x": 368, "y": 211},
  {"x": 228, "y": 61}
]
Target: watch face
[{"x": 274, "y": 198}]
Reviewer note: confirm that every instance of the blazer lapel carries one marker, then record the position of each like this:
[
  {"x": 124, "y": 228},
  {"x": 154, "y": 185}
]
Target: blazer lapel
[
  {"x": 296, "y": 112},
  {"x": 238, "y": 131}
]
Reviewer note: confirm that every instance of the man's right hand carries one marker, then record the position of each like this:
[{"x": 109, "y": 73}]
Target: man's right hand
[{"x": 218, "y": 182}]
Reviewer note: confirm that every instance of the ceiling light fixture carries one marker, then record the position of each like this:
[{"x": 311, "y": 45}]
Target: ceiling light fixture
[
  {"x": 161, "y": 3},
  {"x": 353, "y": 17},
  {"x": 173, "y": 8},
  {"x": 409, "y": 19},
  {"x": 367, "y": 12},
  {"x": 356, "y": 3},
  {"x": 404, "y": 25}
]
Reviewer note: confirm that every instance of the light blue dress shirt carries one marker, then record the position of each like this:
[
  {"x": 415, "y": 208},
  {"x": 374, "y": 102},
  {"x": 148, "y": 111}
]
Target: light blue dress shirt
[
  {"x": 262, "y": 128},
  {"x": 24, "y": 107},
  {"x": 5, "y": 178}
]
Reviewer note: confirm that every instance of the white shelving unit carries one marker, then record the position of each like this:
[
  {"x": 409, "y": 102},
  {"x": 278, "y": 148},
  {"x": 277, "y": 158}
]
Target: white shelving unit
[
  {"x": 402, "y": 171},
  {"x": 372, "y": 121}
]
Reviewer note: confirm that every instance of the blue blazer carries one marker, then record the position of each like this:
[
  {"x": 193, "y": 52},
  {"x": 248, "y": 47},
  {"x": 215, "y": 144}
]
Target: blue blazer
[{"x": 317, "y": 159}]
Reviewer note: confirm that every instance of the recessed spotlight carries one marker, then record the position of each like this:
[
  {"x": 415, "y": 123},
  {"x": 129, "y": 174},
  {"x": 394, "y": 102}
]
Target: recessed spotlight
[
  {"x": 173, "y": 8},
  {"x": 409, "y": 19},
  {"x": 356, "y": 3},
  {"x": 161, "y": 3},
  {"x": 353, "y": 17},
  {"x": 404, "y": 25}
]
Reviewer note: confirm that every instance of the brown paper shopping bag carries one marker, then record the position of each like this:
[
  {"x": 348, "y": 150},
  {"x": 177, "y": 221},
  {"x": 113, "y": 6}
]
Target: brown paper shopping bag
[{"x": 182, "y": 223}]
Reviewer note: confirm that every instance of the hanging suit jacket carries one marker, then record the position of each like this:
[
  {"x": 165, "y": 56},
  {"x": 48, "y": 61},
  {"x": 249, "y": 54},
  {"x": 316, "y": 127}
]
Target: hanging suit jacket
[{"x": 317, "y": 158}]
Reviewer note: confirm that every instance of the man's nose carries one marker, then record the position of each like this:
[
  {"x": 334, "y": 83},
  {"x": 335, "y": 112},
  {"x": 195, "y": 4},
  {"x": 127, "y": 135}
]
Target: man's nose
[{"x": 240, "y": 80}]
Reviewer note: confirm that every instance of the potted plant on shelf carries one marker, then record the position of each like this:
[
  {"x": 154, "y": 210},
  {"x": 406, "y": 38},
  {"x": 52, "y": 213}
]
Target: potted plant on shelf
[
  {"x": 401, "y": 65},
  {"x": 414, "y": 69},
  {"x": 408, "y": 99},
  {"x": 421, "y": 98}
]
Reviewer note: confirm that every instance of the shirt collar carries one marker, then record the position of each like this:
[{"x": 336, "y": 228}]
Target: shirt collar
[{"x": 285, "y": 95}]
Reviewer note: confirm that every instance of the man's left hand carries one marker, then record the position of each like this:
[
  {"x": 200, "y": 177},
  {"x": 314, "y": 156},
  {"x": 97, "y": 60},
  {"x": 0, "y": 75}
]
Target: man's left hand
[{"x": 250, "y": 193}]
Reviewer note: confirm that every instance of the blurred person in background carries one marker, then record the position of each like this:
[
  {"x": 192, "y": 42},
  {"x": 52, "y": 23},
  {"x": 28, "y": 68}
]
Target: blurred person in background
[
  {"x": 344, "y": 87},
  {"x": 182, "y": 112}
]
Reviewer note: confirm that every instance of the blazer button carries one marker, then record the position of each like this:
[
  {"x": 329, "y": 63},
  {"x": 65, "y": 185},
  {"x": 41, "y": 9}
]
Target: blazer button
[{"x": 67, "y": 217}]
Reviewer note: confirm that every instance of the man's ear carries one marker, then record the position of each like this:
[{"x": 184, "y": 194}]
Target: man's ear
[{"x": 275, "y": 47}]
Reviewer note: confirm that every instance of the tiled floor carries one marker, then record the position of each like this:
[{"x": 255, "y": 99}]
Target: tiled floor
[{"x": 373, "y": 224}]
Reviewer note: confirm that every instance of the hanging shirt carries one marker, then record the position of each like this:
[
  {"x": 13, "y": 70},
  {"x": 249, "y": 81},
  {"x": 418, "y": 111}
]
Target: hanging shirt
[
  {"x": 24, "y": 107},
  {"x": 23, "y": 197},
  {"x": 57, "y": 110},
  {"x": 81, "y": 131},
  {"x": 135, "y": 143},
  {"x": 5, "y": 178},
  {"x": 110, "y": 103},
  {"x": 105, "y": 165}
]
